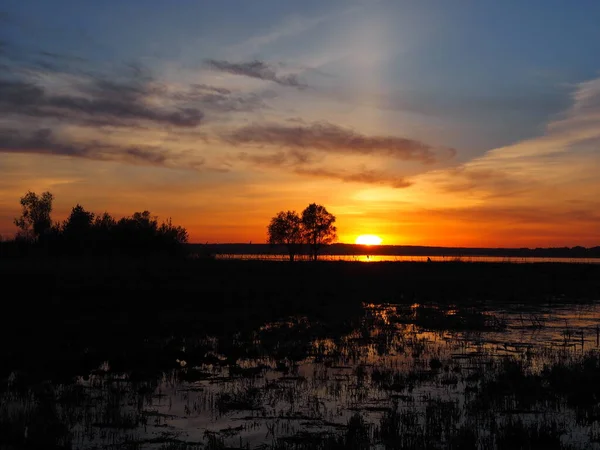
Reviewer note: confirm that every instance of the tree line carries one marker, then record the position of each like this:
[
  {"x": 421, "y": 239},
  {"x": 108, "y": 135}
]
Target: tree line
[
  {"x": 85, "y": 233},
  {"x": 313, "y": 229}
]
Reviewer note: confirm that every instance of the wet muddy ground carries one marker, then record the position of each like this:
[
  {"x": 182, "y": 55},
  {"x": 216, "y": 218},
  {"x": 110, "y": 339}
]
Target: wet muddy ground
[{"x": 447, "y": 374}]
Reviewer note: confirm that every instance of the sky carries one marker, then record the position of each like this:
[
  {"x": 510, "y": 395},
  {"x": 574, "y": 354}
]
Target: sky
[{"x": 462, "y": 123}]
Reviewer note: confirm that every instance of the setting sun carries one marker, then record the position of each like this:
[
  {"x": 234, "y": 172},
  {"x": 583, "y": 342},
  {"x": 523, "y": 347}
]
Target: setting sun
[{"x": 368, "y": 239}]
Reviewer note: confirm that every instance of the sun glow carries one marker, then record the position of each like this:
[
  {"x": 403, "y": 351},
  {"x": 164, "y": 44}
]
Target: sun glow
[{"x": 368, "y": 239}]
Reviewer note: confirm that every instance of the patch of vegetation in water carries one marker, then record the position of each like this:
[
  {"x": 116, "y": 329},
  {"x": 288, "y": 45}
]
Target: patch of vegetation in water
[{"x": 143, "y": 349}]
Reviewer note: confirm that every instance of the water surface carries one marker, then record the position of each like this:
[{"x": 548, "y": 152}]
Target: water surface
[
  {"x": 404, "y": 369},
  {"x": 404, "y": 258}
]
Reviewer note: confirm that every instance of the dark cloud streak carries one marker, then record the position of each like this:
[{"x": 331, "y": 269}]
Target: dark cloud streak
[
  {"x": 366, "y": 177},
  {"x": 221, "y": 100},
  {"x": 301, "y": 163},
  {"x": 111, "y": 103},
  {"x": 331, "y": 138},
  {"x": 279, "y": 159},
  {"x": 43, "y": 142},
  {"x": 256, "y": 69}
]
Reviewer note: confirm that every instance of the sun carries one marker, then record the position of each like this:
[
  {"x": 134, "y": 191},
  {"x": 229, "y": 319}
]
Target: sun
[{"x": 368, "y": 239}]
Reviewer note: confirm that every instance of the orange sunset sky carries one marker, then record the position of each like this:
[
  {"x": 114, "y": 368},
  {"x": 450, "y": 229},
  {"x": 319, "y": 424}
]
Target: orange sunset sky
[{"x": 425, "y": 123}]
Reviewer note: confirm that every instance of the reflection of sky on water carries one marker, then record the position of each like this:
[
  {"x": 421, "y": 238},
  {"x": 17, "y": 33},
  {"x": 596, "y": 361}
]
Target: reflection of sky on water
[
  {"x": 343, "y": 375},
  {"x": 385, "y": 362},
  {"x": 400, "y": 258}
]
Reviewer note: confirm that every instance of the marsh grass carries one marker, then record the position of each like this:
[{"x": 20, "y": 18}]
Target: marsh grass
[
  {"x": 246, "y": 399},
  {"x": 390, "y": 355},
  {"x": 448, "y": 317}
]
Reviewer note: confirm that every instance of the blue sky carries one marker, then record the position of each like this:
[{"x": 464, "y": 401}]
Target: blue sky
[
  {"x": 505, "y": 65},
  {"x": 215, "y": 92}
]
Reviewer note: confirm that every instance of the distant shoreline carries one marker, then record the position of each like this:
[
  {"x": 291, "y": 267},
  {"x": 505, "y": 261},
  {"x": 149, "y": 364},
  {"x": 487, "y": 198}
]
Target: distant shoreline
[{"x": 400, "y": 250}]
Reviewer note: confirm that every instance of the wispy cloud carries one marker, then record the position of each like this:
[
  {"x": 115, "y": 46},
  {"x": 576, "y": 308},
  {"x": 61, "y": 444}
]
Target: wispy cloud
[
  {"x": 366, "y": 176},
  {"x": 44, "y": 142},
  {"x": 550, "y": 179},
  {"x": 49, "y": 85},
  {"x": 256, "y": 69},
  {"x": 106, "y": 102},
  {"x": 332, "y": 138},
  {"x": 289, "y": 158},
  {"x": 88, "y": 113},
  {"x": 302, "y": 162},
  {"x": 222, "y": 100},
  {"x": 569, "y": 145}
]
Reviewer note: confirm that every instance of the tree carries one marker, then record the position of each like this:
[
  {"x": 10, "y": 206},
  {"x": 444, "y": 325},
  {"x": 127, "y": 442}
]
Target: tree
[
  {"x": 317, "y": 224},
  {"x": 103, "y": 233},
  {"x": 286, "y": 229},
  {"x": 137, "y": 233},
  {"x": 104, "y": 222},
  {"x": 35, "y": 218},
  {"x": 172, "y": 234},
  {"x": 140, "y": 234},
  {"x": 77, "y": 229},
  {"x": 79, "y": 222}
]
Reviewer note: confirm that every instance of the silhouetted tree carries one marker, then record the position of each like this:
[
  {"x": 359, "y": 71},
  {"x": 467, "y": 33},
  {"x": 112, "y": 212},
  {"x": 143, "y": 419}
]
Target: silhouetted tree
[
  {"x": 103, "y": 231},
  {"x": 172, "y": 233},
  {"x": 286, "y": 229},
  {"x": 79, "y": 221},
  {"x": 141, "y": 234},
  {"x": 171, "y": 237},
  {"x": 136, "y": 233},
  {"x": 318, "y": 228},
  {"x": 35, "y": 218},
  {"x": 104, "y": 222},
  {"x": 78, "y": 230}
]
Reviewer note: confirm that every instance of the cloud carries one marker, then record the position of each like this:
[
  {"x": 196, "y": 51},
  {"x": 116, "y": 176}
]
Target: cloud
[
  {"x": 256, "y": 69},
  {"x": 58, "y": 111},
  {"x": 42, "y": 84},
  {"x": 221, "y": 100},
  {"x": 279, "y": 159},
  {"x": 302, "y": 163},
  {"x": 550, "y": 181},
  {"x": 204, "y": 87},
  {"x": 565, "y": 152},
  {"x": 463, "y": 179},
  {"x": 110, "y": 103},
  {"x": 367, "y": 176},
  {"x": 332, "y": 138},
  {"x": 44, "y": 142}
]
